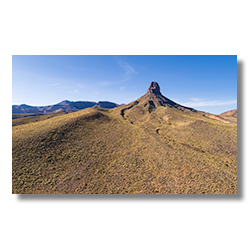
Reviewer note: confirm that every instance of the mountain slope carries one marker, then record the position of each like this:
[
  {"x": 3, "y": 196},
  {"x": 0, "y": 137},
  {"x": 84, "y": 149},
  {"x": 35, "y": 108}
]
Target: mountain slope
[
  {"x": 151, "y": 145},
  {"x": 232, "y": 113},
  {"x": 230, "y": 116},
  {"x": 19, "y": 119}
]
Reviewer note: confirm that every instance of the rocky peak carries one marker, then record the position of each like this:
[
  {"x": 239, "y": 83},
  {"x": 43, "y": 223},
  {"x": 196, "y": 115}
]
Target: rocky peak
[{"x": 154, "y": 88}]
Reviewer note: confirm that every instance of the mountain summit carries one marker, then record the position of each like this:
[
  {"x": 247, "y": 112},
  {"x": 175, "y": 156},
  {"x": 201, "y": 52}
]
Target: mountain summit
[
  {"x": 154, "y": 88},
  {"x": 154, "y": 98}
]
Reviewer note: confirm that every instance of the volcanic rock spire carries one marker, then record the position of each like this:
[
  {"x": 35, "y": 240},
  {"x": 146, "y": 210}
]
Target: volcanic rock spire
[
  {"x": 154, "y": 88},
  {"x": 154, "y": 94}
]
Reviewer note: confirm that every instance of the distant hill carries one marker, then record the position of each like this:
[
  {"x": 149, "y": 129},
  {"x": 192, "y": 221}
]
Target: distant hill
[
  {"x": 231, "y": 113},
  {"x": 149, "y": 146},
  {"x": 64, "y": 106},
  {"x": 230, "y": 116}
]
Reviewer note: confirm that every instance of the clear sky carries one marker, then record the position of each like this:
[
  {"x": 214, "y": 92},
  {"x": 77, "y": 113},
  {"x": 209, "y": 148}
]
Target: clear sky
[{"x": 206, "y": 83}]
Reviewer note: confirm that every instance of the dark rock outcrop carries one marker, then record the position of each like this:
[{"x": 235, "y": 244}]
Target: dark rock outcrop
[{"x": 154, "y": 88}]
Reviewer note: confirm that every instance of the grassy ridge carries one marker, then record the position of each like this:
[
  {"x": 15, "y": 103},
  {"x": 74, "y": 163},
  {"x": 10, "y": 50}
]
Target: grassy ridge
[
  {"x": 23, "y": 115},
  {"x": 145, "y": 148},
  {"x": 19, "y": 119}
]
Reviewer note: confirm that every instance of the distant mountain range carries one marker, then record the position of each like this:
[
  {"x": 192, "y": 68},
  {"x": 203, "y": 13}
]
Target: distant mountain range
[{"x": 64, "y": 106}]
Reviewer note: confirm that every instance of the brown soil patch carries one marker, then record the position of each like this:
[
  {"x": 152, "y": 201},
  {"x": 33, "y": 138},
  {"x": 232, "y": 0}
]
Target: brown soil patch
[{"x": 166, "y": 118}]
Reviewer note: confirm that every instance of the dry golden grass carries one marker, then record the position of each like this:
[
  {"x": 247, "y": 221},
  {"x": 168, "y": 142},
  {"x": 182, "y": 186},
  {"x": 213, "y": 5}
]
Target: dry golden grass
[
  {"x": 20, "y": 119},
  {"x": 131, "y": 149}
]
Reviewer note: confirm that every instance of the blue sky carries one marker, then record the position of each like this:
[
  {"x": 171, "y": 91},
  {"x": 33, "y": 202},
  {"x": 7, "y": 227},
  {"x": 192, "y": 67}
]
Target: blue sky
[{"x": 207, "y": 83}]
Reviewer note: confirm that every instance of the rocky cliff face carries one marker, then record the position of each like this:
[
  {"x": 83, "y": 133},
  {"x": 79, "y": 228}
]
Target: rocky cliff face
[{"x": 154, "y": 88}]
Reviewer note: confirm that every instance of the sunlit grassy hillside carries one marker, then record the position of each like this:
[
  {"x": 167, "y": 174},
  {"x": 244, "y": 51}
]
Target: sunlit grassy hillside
[
  {"x": 19, "y": 119},
  {"x": 146, "y": 147}
]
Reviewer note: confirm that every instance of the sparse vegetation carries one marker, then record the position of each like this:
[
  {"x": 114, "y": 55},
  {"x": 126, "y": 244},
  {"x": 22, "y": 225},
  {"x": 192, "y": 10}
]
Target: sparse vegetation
[
  {"x": 19, "y": 119},
  {"x": 129, "y": 149}
]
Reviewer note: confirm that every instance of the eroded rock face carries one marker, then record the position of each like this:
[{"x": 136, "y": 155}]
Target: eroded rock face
[{"x": 154, "y": 88}]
